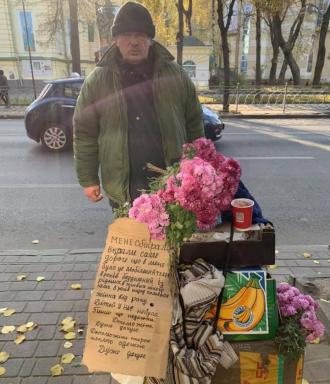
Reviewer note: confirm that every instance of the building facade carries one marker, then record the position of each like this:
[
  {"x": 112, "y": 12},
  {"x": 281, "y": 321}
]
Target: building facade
[
  {"x": 242, "y": 42},
  {"x": 195, "y": 60},
  {"x": 51, "y": 59}
]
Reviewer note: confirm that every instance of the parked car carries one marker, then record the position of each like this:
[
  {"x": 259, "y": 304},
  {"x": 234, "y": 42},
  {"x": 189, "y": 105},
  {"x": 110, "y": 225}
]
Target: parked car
[{"x": 49, "y": 118}]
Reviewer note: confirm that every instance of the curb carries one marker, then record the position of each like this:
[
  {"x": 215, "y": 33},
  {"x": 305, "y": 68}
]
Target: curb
[
  {"x": 231, "y": 116},
  {"x": 6, "y": 117},
  {"x": 274, "y": 116}
]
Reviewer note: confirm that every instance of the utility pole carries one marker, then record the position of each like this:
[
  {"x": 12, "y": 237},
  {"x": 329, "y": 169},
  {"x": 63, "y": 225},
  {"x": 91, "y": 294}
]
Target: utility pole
[
  {"x": 29, "y": 50},
  {"x": 179, "y": 35}
]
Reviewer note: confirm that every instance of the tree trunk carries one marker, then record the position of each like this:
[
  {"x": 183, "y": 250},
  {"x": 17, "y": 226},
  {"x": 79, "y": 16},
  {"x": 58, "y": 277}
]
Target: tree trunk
[
  {"x": 213, "y": 23},
  {"x": 179, "y": 35},
  {"x": 258, "y": 48},
  {"x": 226, "y": 73},
  {"x": 287, "y": 50},
  {"x": 276, "y": 51},
  {"x": 104, "y": 19},
  {"x": 224, "y": 26},
  {"x": 188, "y": 14},
  {"x": 74, "y": 42},
  {"x": 281, "y": 76},
  {"x": 321, "y": 51},
  {"x": 273, "y": 68}
]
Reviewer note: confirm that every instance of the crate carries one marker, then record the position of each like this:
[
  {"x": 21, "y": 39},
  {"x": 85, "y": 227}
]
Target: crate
[{"x": 259, "y": 250}]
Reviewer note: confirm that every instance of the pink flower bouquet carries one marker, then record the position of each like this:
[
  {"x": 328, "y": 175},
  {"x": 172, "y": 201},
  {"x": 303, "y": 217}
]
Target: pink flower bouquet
[
  {"x": 299, "y": 323},
  {"x": 191, "y": 194}
]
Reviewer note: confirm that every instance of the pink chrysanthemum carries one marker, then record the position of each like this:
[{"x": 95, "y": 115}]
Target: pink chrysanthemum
[
  {"x": 292, "y": 302},
  {"x": 150, "y": 209}
]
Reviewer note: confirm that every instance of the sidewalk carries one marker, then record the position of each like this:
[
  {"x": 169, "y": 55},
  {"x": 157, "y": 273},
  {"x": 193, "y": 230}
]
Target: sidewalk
[
  {"x": 244, "y": 111},
  {"x": 48, "y": 302}
]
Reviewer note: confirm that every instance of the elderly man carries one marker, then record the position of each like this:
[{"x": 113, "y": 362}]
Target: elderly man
[{"x": 136, "y": 107}]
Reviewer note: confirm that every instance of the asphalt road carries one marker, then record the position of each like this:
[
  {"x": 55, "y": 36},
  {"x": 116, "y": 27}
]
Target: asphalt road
[{"x": 285, "y": 163}]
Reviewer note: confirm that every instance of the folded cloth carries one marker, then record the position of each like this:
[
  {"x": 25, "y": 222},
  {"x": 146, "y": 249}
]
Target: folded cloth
[
  {"x": 195, "y": 349},
  {"x": 201, "y": 284}
]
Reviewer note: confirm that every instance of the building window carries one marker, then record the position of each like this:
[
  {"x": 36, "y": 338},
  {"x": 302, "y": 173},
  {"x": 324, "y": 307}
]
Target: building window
[
  {"x": 323, "y": 5},
  {"x": 190, "y": 67},
  {"x": 91, "y": 33},
  {"x": 310, "y": 56},
  {"x": 245, "y": 40},
  {"x": 36, "y": 65},
  {"x": 27, "y": 30}
]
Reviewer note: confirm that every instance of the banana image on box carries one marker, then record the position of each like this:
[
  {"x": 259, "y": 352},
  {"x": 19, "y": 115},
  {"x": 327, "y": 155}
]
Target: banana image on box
[{"x": 243, "y": 311}]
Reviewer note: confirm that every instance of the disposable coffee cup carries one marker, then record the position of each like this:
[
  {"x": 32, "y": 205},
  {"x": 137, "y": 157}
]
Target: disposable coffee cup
[{"x": 242, "y": 213}]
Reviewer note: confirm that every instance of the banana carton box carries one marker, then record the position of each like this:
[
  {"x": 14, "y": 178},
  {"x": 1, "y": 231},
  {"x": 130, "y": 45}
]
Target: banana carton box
[
  {"x": 248, "y": 310},
  {"x": 260, "y": 363}
]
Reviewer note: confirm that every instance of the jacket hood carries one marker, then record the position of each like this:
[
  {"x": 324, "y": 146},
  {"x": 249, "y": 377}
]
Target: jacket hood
[{"x": 161, "y": 55}]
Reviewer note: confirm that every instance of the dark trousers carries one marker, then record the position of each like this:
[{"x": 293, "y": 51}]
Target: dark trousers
[{"x": 5, "y": 97}]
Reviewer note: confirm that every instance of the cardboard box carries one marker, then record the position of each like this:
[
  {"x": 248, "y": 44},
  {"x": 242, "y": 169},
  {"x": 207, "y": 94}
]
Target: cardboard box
[{"x": 259, "y": 362}]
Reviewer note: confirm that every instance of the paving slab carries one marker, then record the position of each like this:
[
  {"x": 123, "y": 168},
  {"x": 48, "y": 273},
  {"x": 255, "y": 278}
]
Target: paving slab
[{"x": 50, "y": 301}]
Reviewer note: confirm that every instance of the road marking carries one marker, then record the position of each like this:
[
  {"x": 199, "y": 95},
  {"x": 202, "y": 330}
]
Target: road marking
[
  {"x": 284, "y": 136},
  {"x": 31, "y": 186},
  {"x": 288, "y": 137},
  {"x": 259, "y": 133},
  {"x": 276, "y": 158}
]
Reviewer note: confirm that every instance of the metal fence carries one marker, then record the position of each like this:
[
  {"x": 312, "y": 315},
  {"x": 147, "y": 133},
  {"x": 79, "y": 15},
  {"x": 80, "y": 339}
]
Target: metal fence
[{"x": 279, "y": 97}]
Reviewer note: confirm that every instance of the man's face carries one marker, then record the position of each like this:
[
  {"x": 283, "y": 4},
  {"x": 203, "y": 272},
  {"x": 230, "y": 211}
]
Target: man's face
[{"x": 133, "y": 46}]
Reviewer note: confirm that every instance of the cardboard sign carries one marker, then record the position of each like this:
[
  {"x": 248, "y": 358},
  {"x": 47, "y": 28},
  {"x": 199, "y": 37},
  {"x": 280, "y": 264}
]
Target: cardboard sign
[{"x": 130, "y": 309}]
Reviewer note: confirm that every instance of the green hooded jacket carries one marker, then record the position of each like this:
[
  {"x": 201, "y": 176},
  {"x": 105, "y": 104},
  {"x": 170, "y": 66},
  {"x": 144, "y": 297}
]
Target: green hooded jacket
[{"x": 101, "y": 126}]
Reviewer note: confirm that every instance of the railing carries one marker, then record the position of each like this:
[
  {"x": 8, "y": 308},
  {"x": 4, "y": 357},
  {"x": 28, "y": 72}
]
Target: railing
[{"x": 268, "y": 96}]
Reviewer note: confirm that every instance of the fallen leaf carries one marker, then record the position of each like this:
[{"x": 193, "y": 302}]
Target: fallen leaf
[
  {"x": 35, "y": 241},
  {"x": 22, "y": 328},
  {"x": 20, "y": 277},
  {"x": 9, "y": 312},
  {"x": 69, "y": 327},
  {"x": 67, "y": 320},
  {"x": 4, "y": 356},
  {"x": 70, "y": 336},
  {"x": 316, "y": 341},
  {"x": 76, "y": 286},
  {"x": 274, "y": 266},
  {"x": 328, "y": 262},
  {"x": 30, "y": 324},
  {"x": 67, "y": 345},
  {"x": 307, "y": 255},
  {"x": 40, "y": 278},
  {"x": 2, "y": 310},
  {"x": 316, "y": 262},
  {"x": 304, "y": 381},
  {"x": 326, "y": 301},
  {"x": 56, "y": 370},
  {"x": 19, "y": 339},
  {"x": 7, "y": 329},
  {"x": 67, "y": 358},
  {"x": 2, "y": 371}
]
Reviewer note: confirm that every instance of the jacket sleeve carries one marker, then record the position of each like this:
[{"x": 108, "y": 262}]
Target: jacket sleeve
[
  {"x": 85, "y": 134},
  {"x": 194, "y": 114}
]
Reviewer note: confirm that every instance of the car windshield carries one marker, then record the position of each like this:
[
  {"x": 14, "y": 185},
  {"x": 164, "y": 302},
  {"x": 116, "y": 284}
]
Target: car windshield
[{"x": 44, "y": 91}]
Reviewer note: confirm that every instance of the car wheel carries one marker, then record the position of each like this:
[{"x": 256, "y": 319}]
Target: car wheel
[{"x": 55, "y": 138}]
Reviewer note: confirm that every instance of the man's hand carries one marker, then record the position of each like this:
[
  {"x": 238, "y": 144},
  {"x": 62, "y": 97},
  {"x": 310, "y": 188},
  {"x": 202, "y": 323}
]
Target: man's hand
[{"x": 93, "y": 193}]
